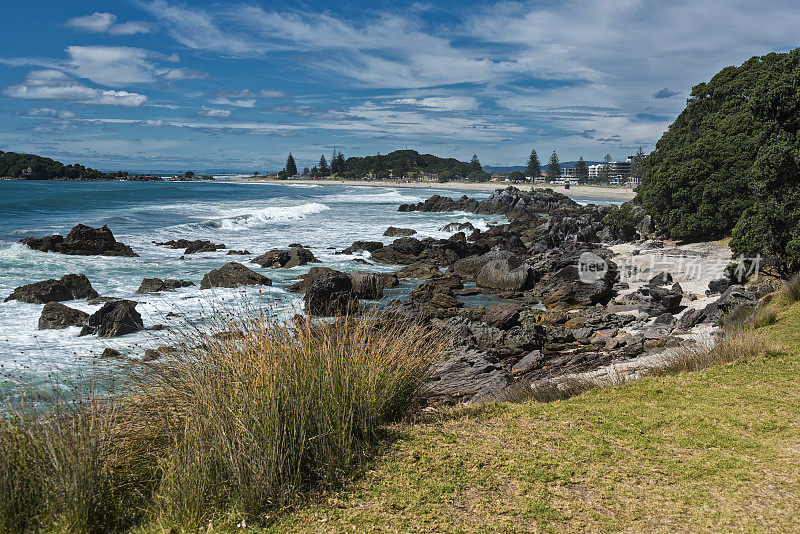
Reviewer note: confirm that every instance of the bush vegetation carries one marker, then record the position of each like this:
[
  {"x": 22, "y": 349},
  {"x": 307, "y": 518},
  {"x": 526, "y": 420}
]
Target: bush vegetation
[
  {"x": 238, "y": 425},
  {"x": 728, "y": 165},
  {"x": 30, "y": 166}
]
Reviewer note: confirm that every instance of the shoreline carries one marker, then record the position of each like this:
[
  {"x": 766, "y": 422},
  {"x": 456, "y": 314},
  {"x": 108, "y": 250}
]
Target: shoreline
[{"x": 596, "y": 191}]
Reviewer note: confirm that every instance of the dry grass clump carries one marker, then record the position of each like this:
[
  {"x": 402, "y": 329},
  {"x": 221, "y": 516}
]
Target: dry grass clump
[
  {"x": 237, "y": 424},
  {"x": 732, "y": 345}
]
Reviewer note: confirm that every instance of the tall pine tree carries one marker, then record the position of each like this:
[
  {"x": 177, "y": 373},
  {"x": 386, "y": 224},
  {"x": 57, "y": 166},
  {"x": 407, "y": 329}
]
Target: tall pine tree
[
  {"x": 323, "y": 166},
  {"x": 553, "y": 168},
  {"x": 534, "y": 168},
  {"x": 475, "y": 164},
  {"x": 581, "y": 171},
  {"x": 291, "y": 166}
]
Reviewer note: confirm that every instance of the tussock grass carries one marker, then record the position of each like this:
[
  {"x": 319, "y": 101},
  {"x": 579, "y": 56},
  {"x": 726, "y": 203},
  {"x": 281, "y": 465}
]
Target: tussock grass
[
  {"x": 239, "y": 425},
  {"x": 732, "y": 345}
]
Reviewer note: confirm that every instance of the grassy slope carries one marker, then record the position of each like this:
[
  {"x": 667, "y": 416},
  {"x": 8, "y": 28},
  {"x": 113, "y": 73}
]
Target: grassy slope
[{"x": 713, "y": 450}]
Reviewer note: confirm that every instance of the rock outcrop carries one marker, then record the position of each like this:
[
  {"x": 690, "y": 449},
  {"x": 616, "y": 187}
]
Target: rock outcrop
[
  {"x": 192, "y": 247},
  {"x": 233, "y": 274},
  {"x": 330, "y": 293},
  {"x": 295, "y": 256},
  {"x": 82, "y": 240},
  {"x": 68, "y": 287},
  {"x": 399, "y": 232},
  {"x": 56, "y": 316},
  {"x": 114, "y": 319},
  {"x": 157, "y": 285}
]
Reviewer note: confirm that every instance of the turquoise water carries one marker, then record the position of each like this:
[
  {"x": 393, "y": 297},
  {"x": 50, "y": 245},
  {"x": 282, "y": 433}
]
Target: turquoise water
[{"x": 256, "y": 217}]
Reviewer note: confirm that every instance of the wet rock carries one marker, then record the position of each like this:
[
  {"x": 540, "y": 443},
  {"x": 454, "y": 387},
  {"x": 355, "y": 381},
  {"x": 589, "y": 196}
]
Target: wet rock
[
  {"x": 467, "y": 376},
  {"x": 371, "y": 285},
  {"x": 109, "y": 353},
  {"x": 58, "y": 316},
  {"x": 156, "y": 285},
  {"x": 508, "y": 274},
  {"x": 419, "y": 271},
  {"x": 238, "y": 253},
  {"x": 192, "y": 247},
  {"x": 457, "y": 227},
  {"x": 233, "y": 274},
  {"x": 294, "y": 257},
  {"x": 502, "y": 201},
  {"x": 82, "y": 240},
  {"x": 68, "y": 287},
  {"x": 358, "y": 246},
  {"x": 330, "y": 293},
  {"x": 470, "y": 266},
  {"x": 305, "y": 279},
  {"x": 399, "y": 232},
  {"x": 407, "y": 250},
  {"x": 114, "y": 319}
]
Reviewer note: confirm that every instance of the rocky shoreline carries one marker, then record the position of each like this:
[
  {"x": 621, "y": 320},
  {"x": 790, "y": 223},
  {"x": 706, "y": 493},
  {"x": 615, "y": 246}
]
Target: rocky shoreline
[{"x": 565, "y": 289}]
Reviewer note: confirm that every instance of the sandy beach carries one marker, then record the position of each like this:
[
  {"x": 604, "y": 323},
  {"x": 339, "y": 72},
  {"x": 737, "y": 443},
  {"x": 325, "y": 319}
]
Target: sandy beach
[{"x": 596, "y": 191}]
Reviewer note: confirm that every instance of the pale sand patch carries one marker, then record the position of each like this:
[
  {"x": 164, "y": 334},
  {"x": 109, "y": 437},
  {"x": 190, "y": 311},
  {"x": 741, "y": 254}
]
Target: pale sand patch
[{"x": 621, "y": 194}]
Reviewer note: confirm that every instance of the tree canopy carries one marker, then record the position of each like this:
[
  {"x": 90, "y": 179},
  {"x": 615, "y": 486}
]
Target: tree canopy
[
  {"x": 533, "y": 169},
  {"x": 291, "y": 166},
  {"x": 32, "y": 167},
  {"x": 729, "y": 164},
  {"x": 553, "y": 167}
]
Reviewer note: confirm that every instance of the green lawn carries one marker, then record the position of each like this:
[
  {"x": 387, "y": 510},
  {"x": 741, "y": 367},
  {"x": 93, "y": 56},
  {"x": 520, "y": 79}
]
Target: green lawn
[{"x": 717, "y": 450}]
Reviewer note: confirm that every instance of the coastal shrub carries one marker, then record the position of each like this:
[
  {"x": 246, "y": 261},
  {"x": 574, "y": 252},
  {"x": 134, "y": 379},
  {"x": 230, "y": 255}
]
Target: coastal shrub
[
  {"x": 728, "y": 165},
  {"x": 252, "y": 414}
]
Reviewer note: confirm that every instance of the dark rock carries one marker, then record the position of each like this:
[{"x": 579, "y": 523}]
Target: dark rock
[
  {"x": 469, "y": 376},
  {"x": 419, "y": 271},
  {"x": 502, "y": 316},
  {"x": 306, "y": 279},
  {"x": 470, "y": 266},
  {"x": 82, "y": 240},
  {"x": 661, "y": 279},
  {"x": 529, "y": 362},
  {"x": 110, "y": 353},
  {"x": 691, "y": 318},
  {"x": 358, "y": 246},
  {"x": 69, "y": 287},
  {"x": 564, "y": 290},
  {"x": 457, "y": 227},
  {"x": 407, "y": 250},
  {"x": 502, "y": 201},
  {"x": 294, "y": 257},
  {"x": 718, "y": 285},
  {"x": 399, "y": 232},
  {"x": 192, "y": 247},
  {"x": 371, "y": 285},
  {"x": 57, "y": 316},
  {"x": 331, "y": 293},
  {"x": 655, "y": 301},
  {"x": 114, "y": 319},
  {"x": 665, "y": 318},
  {"x": 238, "y": 253},
  {"x": 361, "y": 261},
  {"x": 734, "y": 300},
  {"x": 156, "y": 285},
  {"x": 233, "y": 274},
  {"x": 509, "y": 274}
]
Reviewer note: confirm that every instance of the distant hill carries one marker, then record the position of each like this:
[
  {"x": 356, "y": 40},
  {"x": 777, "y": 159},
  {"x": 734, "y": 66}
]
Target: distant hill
[{"x": 32, "y": 167}]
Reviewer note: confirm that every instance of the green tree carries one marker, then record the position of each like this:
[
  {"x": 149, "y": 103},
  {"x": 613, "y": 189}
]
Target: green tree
[
  {"x": 282, "y": 174},
  {"x": 324, "y": 170},
  {"x": 638, "y": 164},
  {"x": 534, "y": 169},
  {"x": 605, "y": 170},
  {"x": 314, "y": 171},
  {"x": 291, "y": 166},
  {"x": 306, "y": 171},
  {"x": 516, "y": 176},
  {"x": 338, "y": 165},
  {"x": 553, "y": 168},
  {"x": 581, "y": 171},
  {"x": 401, "y": 168},
  {"x": 475, "y": 164}
]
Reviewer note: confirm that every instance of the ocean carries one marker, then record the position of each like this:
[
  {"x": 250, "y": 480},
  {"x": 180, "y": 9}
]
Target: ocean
[{"x": 244, "y": 216}]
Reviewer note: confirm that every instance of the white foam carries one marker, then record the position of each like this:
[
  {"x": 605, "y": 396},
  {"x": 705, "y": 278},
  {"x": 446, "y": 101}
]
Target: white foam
[{"x": 250, "y": 218}]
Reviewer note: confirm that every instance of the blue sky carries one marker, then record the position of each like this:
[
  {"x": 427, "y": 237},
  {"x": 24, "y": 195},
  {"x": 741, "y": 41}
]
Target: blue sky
[{"x": 165, "y": 85}]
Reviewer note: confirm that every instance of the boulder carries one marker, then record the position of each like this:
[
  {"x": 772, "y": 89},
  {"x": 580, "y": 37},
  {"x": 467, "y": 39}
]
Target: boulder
[
  {"x": 108, "y": 352},
  {"x": 68, "y": 287},
  {"x": 156, "y": 285},
  {"x": 305, "y": 279},
  {"x": 114, "y": 319},
  {"x": 471, "y": 265},
  {"x": 509, "y": 274},
  {"x": 467, "y": 376},
  {"x": 238, "y": 253},
  {"x": 718, "y": 285},
  {"x": 57, "y": 316},
  {"x": 419, "y": 271},
  {"x": 331, "y": 293},
  {"x": 371, "y": 285},
  {"x": 358, "y": 246},
  {"x": 407, "y": 250},
  {"x": 457, "y": 227},
  {"x": 192, "y": 247},
  {"x": 82, "y": 240},
  {"x": 528, "y": 363},
  {"x": 233, "y": 274},
  {"x": 399, "y": 232},
  {"x": 661, "y": 279},
  {"x": 564, "y": 290},
  {"x": 294, "y": 257},
  {"x": 732, "y": 301},
  {"x": 502, "y": 316},
  {"x": 654, "y": 300}
]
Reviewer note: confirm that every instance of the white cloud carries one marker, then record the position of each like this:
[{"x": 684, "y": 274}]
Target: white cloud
[
  {"x": 118, "y": 66},
  {"x": 55, "y": 85},
  {"x": 214, "y": 113},
  {"x": 439, "y": 103},
  {"x": 244, "y": 98},
  {"x": 106, "y": 23}
]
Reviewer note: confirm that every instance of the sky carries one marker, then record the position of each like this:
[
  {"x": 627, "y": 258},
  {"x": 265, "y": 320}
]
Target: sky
[{"x": 159, "y": 85}]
